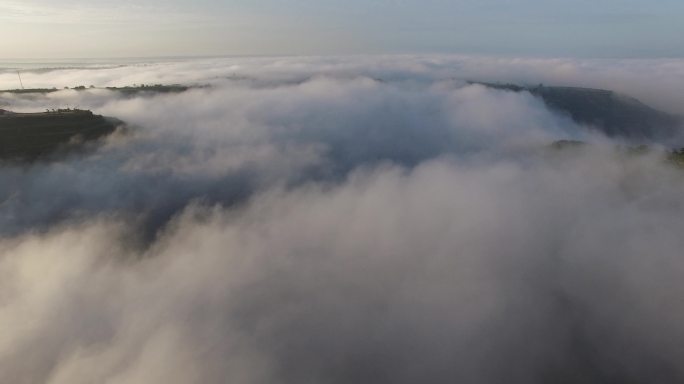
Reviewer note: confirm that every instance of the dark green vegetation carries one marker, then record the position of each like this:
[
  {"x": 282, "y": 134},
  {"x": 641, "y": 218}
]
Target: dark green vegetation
[
  {"x": 611, "y": 113},
  {"x": 151, "y": 89},
  {"x": 677, "y": 157},
  {"x": 128, "y": 90},
  {"x": 672, "y": 156},
  {"x": 30, "y": 136},
  {"x": 30, "y": 90},
  {"x": 567, "y": 144}
]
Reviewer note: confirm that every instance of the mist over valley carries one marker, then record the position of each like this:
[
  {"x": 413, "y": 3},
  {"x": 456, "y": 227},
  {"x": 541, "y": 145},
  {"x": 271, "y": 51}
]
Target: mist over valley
[{"x": 342, "y": 219}]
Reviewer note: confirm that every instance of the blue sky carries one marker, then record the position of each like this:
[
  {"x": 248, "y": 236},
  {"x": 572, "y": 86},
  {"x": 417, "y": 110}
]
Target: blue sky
[{"x": 107, "y": 28}]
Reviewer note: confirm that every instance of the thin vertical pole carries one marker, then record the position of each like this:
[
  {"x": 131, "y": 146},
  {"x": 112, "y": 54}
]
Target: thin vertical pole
[{"x": 20, "y": 82}]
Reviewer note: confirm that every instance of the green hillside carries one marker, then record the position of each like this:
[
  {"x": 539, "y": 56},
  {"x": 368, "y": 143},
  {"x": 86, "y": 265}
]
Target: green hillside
[
  {"x": 28, "y": 136},
  {"x": 613, "y": 114}
]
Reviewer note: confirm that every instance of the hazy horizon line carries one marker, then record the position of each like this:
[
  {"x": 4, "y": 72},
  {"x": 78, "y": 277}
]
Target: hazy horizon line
[{"x": 352, "y": 54}]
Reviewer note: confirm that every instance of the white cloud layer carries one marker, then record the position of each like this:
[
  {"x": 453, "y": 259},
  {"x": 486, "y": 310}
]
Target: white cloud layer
[
  {"x": 657, "y": 82},
  {"x": 328, "y": 221}
]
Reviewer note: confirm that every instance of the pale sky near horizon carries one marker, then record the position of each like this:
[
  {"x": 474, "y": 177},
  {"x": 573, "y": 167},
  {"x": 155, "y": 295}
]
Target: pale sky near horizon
[{"x": 125, "y": 28}]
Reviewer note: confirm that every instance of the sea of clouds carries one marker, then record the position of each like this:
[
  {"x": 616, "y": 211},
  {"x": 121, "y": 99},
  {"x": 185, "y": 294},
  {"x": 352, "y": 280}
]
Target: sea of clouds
[{"x": 342, "y": 220}]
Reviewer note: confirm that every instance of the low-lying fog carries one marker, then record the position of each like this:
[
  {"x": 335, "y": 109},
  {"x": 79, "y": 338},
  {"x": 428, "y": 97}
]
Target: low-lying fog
[{"x": 343, "y": 220}]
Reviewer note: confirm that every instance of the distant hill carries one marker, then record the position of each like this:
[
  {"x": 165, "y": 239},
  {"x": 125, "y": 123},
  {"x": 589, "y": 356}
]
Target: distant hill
[
  {"x": 151, "y": 89},
  {"x": 128, "y": 90},
  {"x": 613, "y": 114},
  {"x": 29, "y": 136}
]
